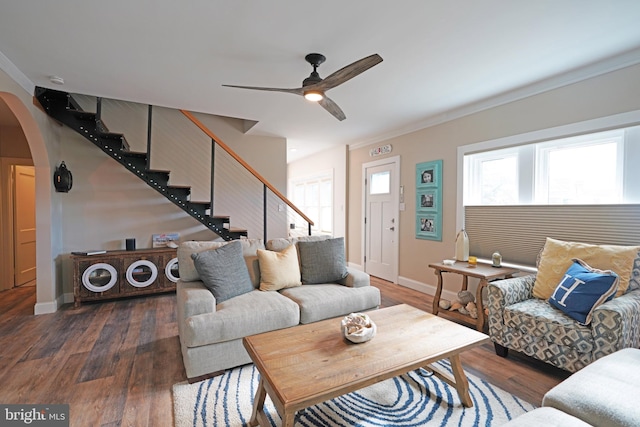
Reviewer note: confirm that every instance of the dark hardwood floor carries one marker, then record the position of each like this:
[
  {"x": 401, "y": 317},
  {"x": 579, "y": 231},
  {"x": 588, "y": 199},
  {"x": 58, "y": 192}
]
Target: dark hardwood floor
[{"x": 115, "y": 362}]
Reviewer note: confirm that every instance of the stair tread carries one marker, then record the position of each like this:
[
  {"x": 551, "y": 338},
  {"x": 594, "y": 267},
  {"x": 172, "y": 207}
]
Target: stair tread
[
  {"x": 109, "y": 134},
  {"x": 83, "y": 114},
  {"x": 134, "y": 153},
  {"x": 63, "y": 107}
]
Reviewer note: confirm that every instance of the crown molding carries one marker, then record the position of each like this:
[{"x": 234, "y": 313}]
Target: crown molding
[
  {"x": 14, "y": 72},
  {"x": 627, "y": 59}
]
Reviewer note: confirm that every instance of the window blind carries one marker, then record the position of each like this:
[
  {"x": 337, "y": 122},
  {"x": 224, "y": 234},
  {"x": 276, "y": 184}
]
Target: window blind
[{"x": 519, "y": 232}]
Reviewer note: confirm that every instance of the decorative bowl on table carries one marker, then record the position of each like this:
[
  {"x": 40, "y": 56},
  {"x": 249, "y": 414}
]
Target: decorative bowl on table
[{"x": 358, "y": 327}]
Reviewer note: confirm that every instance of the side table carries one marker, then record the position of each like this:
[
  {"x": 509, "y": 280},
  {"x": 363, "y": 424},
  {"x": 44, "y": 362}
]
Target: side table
[{"x": 482, "y": 271}]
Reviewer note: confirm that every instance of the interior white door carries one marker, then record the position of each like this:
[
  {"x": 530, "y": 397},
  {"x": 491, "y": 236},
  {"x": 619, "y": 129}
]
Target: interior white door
[
  {"x": 25, "y": 224},
  {"x": 381, "y": 225}
]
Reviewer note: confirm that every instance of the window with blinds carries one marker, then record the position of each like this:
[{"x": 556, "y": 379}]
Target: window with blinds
[
  {"x": 519, "y": 232},
  {"x": 582, "y": 188}
]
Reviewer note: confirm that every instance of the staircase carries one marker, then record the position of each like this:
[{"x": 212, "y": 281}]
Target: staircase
[{"x": 62, "y": 107}]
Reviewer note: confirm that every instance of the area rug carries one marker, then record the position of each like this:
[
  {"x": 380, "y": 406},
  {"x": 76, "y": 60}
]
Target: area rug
[{"x": 408, "y": 400}]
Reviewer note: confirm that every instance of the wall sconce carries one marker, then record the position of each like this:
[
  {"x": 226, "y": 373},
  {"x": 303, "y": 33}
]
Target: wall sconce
[{"x": 62, "y": 179}]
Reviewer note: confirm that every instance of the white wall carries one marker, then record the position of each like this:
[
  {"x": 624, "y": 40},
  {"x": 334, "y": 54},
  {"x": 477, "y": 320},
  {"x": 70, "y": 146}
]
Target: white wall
[
  {"x": 95, "y": 214},
  {"x": 108, "y": 204},
  {"x": 609, "y": 94},
  {"x": 181, "y": 147},
  {"x": 335, "y": 161},
  {"x": 44, "y": 143}
]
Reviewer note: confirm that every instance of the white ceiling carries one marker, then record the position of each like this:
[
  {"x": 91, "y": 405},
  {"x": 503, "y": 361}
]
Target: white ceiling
[{"x": 442, "y": 59}]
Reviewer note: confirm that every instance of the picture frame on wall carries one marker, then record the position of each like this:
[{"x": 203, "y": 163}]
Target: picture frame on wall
[
  {"x": 429, "y": 226},
  {"x": 429, "y": 200},
  {"x": 429, "y": 174}
]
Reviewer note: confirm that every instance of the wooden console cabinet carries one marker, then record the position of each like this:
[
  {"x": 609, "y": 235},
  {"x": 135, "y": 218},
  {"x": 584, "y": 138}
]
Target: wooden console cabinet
[{"x": 117, "y": 274}]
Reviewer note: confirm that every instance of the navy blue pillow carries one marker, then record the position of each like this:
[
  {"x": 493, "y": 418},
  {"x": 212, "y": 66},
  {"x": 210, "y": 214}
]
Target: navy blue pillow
[{"x": 582, "y": 289}]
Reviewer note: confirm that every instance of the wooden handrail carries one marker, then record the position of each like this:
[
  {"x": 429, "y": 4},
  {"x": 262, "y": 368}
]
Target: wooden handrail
[{"x": 255, "y": 173}]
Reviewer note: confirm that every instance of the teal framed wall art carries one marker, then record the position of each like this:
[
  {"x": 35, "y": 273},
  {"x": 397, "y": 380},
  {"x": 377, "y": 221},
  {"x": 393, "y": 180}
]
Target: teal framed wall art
[{"x": 429, "y": 200}]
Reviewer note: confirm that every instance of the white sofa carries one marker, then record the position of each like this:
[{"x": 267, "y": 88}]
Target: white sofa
[
  {"x": 603, "y": 394},
  {"x": 211, "y": 333}
]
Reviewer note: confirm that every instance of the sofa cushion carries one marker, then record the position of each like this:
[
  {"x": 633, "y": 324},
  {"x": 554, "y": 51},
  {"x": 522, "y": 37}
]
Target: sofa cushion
[
  {"x": 279, "y": 270},
  {"x": 282, "y": 243},
  {"x": 223, "y": 271},
  {"x": 601, "y": 394},
  {"x": 557, "y": 256},
  {"x": 582, "y": 289},
  {"x": 238, "y": 317},
  {"x": 547, "y": 417},
  {"x": 323, "y": 301},
  {"x": 538, "y": 321},
  {"x": 188, "y": 272},
  {"x": 322, "y": 261}
]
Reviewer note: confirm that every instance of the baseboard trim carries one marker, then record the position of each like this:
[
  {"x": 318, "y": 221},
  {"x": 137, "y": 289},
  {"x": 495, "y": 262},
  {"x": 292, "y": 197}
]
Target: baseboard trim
[
  {"x": 68, "y": 298},
  {"x": 52, "y": 306},
  {"x": 355, "y": 266},
  {"x": 425, "y": 288},
  {"x": 415, "y": 285},
  {"x": 46, "y": 307}
]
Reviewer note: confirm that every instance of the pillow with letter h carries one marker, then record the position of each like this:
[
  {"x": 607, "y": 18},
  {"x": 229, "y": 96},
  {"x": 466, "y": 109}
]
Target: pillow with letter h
[{"x": 582, "y": 289}]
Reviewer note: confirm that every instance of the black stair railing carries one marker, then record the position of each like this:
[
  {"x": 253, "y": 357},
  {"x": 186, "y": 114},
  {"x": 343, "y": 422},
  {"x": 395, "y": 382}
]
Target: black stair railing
[
  {"x": 266, "y": 185},
  {"x": 64, "y": 108}
]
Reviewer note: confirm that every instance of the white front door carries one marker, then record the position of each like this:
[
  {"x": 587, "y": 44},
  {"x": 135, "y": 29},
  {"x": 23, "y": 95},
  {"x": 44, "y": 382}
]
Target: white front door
[
  {"x": 25, "y": 224},
  {"x": 381, "y": 218}
]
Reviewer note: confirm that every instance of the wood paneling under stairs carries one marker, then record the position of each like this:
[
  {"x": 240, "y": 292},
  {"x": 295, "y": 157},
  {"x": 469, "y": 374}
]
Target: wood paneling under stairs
[{"x": 115, "y": 362}]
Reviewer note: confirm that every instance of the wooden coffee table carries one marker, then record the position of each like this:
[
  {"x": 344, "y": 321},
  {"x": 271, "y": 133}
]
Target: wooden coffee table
[{"x": 309, "y": 364}]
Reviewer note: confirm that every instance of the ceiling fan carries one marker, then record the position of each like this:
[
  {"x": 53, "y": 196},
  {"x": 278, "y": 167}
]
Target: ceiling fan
[{"x": 314, "y": 87}]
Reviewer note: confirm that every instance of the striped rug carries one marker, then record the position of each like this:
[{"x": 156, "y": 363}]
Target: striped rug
[{"x": 408, "y": 400}]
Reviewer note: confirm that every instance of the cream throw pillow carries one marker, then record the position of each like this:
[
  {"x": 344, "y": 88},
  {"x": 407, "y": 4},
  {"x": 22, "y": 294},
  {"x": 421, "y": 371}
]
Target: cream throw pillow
[
  {"x": 279, "y": 270},
  {"x": 557, "y": 257}
]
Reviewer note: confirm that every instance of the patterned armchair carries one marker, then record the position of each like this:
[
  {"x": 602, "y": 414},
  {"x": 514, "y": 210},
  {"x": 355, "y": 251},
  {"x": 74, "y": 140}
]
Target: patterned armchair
[{"x": 519, "y": 321}]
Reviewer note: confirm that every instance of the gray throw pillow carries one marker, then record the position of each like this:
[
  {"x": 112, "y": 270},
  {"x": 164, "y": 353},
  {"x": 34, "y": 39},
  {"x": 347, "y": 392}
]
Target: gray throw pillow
[
  {"x": 223, "y": 271},
  {"x": 322, "y": 261}
]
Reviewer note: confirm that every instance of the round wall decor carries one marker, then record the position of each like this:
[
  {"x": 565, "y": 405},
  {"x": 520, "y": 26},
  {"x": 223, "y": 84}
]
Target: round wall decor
[
  {"x": 99, "y": 277},
  {"x": 142, "y": 273},
  {"x": 171, "y": 270}
]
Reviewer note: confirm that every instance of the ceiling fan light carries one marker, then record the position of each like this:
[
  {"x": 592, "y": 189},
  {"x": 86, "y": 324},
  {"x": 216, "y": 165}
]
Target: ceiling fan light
[{"x": 313, "y": 95}]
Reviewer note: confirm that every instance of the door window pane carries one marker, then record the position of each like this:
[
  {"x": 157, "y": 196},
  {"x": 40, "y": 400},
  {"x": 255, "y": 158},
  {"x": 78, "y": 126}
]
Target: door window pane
[{"x": 380, "y": 183}]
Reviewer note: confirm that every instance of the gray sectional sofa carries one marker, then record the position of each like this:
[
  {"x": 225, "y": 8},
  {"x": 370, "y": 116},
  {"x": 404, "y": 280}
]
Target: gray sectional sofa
[
  {"x": 603, "y": 394},
  {"x": 211, "y": 332}
]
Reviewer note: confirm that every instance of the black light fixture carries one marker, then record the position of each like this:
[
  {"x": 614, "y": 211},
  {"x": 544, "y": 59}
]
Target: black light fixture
[
  {"x": 313, "y": 95},
  {"x": 62, "y": 179}
]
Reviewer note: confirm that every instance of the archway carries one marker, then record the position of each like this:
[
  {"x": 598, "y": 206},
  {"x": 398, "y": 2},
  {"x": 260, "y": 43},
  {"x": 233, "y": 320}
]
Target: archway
[{"x": 46, "y": 298}]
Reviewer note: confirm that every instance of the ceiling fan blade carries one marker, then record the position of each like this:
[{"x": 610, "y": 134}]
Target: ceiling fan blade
[
  {"x": 297, "y": 91},
  {"x": 347, "y": 73},
  {"x": 332, "y": 107}
]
